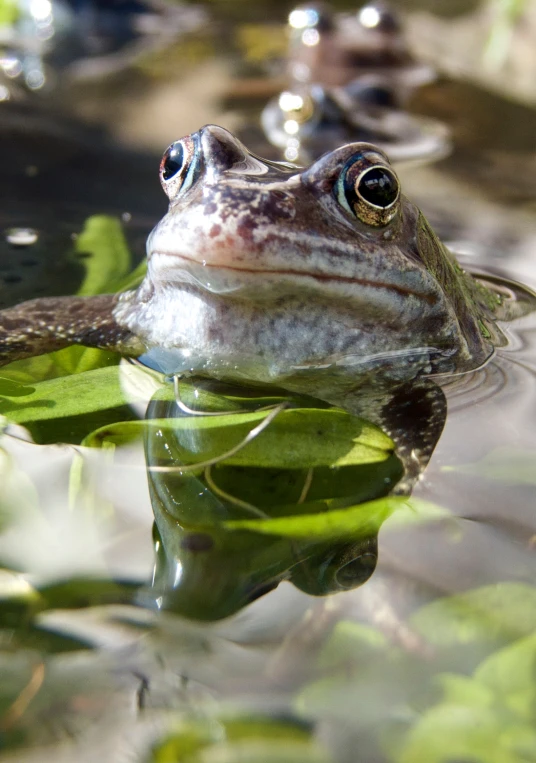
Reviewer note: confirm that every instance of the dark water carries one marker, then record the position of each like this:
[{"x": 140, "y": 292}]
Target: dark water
[{"x": 437, "y": 643}]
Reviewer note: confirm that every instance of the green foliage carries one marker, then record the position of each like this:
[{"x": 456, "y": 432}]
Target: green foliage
[
  {"x": 239, "y": 740},
  {"x": 74, "y": 387},
  {"x": 295, "y": 439},
  {"x": 107, "y": 262},
  {"x": 362, "y": 520},
  {"x": 64, "y": 396},
  {"x": 9, "y": 12},
  {"x": 433, "y": 709},
  {"x": 489, "y": 616}
]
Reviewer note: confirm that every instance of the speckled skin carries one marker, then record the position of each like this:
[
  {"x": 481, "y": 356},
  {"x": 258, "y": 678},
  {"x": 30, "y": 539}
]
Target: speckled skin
[
  {"x": 258, "y": 271},
  {"x": 262, "y": 272}
]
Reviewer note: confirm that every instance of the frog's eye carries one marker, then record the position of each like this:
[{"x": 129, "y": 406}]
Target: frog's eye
[
  {"x": 179, "y": 167},
  {"x": 369, "y": 190}
]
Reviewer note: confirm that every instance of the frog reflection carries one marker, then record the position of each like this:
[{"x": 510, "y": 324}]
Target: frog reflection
[
  {"x": 326, "y": 281},
  {"x": 206, "y": 569}
]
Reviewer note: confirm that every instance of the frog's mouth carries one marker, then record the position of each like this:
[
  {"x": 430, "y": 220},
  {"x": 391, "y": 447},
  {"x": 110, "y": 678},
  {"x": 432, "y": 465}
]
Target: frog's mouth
[{"x": 218, "y": 278}]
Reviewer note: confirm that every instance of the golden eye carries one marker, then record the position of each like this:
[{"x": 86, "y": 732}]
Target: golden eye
[
  {"x": 179, "y": 167},
  {"x": 369, "y": 189}
]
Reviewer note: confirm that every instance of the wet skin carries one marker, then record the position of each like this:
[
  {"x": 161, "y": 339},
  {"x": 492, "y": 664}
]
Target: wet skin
[
  {"x": 262, "y": 270},
  {"x": 325, "y": 281},
  {"x": 320, "y": 280}
]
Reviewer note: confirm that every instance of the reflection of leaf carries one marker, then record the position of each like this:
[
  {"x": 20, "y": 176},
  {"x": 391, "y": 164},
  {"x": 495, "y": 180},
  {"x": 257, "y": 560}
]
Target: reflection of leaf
[
  {"x": 489, "y": 717},
  {"x": 352, "y": 522},
  {"x": 462, "y": 690},
  {"x": 236, "y": 740},
  {"x": 461, "y": 732},
  {"x": 270, "y": 488},
  {"x": 492, "y": 613},
  {"x": 350, "y": 643},
  {"x": 510, "y": 673},
  {"x": 510, "y": 465},
  {"x": 295, "y": 439}
]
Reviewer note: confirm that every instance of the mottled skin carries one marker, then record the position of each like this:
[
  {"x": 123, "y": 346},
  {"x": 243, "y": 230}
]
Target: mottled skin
[
  {"x": 263, "y": 272},
  {"x": 259, "y": 271}
]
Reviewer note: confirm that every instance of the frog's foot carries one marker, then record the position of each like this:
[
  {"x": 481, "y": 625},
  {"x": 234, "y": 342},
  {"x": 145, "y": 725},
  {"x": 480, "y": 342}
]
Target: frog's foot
[
  {"x": 51, "y": 323},
  {"x": 414, "y": 417}
]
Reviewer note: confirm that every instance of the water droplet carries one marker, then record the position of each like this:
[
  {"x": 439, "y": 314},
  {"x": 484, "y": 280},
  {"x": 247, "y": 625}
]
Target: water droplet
[
  {"x": 21, "y": 236},
  {"x": 126, "y": 217}
]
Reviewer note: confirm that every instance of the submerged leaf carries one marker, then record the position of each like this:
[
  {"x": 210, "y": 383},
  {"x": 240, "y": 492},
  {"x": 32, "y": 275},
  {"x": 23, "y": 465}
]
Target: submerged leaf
[
  {"x": 295, "y": 439},
  {"x": 364, "y": 519},
  {"x": 494, "y": 613},
  {"x": 240, "y": 740},
  {"x": 512, "y": 671},
  {"x": 458, "y": 732}
]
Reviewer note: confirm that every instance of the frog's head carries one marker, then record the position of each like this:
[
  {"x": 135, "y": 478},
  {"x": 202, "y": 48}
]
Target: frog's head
[{"x": 263, "y": 270}]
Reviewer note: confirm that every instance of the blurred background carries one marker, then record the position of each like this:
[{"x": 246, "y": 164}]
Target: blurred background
[{"x": 91, "y": 94}]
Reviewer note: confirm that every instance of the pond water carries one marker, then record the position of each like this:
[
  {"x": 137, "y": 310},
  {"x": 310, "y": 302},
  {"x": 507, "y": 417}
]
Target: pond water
[{"x": 218, "y": 650}]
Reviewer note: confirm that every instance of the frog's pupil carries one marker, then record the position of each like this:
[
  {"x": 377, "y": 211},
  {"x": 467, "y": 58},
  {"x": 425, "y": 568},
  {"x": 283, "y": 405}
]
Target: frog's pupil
[
  {"x": 378, "y": 186},
  {"x": 173, "y": 161}
]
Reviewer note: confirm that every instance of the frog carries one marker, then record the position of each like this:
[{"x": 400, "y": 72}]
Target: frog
[
  {"x": 309, "y": 120},
  {"x": 324, "y": 280},
  {"x": 336, "y": 49},
  {"x": 350, "y": 76}
]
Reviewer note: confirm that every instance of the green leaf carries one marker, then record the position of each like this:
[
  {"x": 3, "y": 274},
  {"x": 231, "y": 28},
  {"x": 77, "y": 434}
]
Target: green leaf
[
  {"x": 70, "y": 360},
  {"x": 13, "y": 388},
  {"x": 510, "y": 672},
  {"x": 79, "y": 593},
  {"x": 132, "y": 279},
  {"x": 108, "y": 256},
  {"x": 509, "y": 465},
  {"x": 68, "y": 396},
  {"x": 350, "y": 643},
  {"x": 334, "y": 524},
  {"x": 275, "y": 489},
  {"x": 239, "y": 740},
  {"x": 9, "y": 12},
  {"x": 494, "y": 613},
  {"x": 458, "y": 732},
  {"x": 295, "y": 439}
]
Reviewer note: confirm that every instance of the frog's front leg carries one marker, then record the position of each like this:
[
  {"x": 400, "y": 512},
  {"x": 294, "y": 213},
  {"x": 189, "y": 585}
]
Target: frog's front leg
[{"x": 51, "y": 323}]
